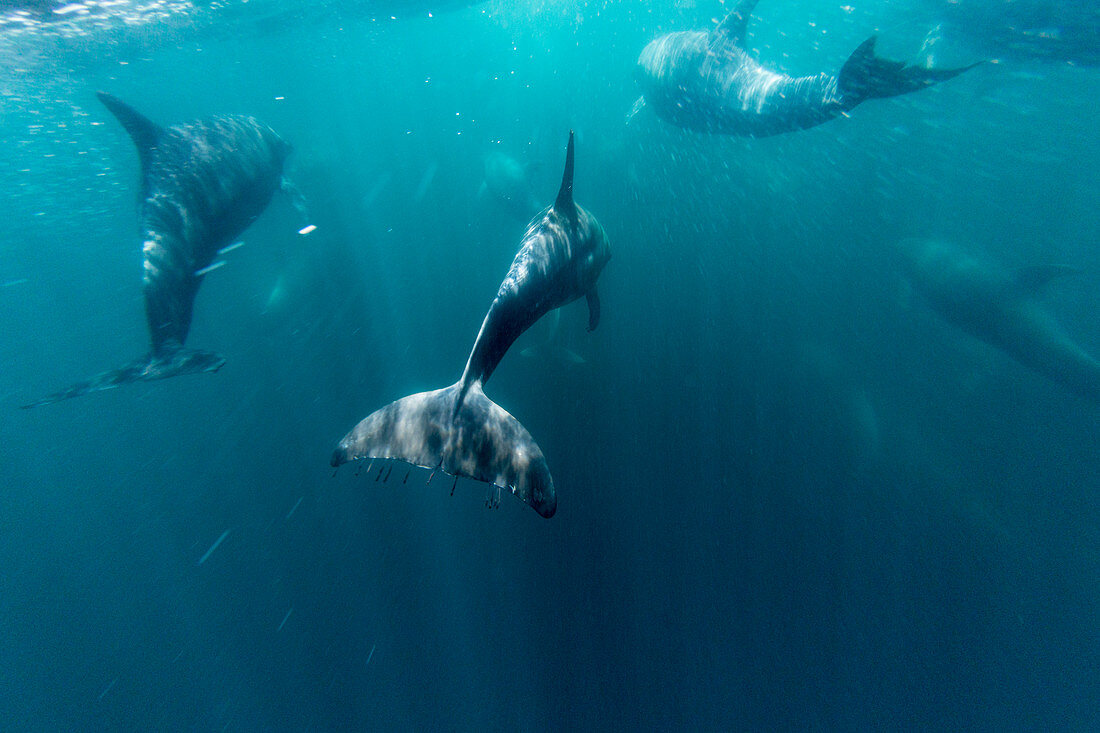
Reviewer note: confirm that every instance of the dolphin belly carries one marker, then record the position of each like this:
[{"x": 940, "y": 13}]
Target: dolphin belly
[{"x": 205, "y": 183}]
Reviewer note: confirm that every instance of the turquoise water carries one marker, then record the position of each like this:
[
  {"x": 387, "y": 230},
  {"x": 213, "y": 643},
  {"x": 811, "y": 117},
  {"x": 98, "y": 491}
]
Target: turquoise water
[{"x": 790, "y": 493}]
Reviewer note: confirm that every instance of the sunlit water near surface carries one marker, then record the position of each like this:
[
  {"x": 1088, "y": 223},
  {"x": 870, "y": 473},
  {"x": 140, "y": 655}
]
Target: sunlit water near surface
[{"x": 790, "y": 493}]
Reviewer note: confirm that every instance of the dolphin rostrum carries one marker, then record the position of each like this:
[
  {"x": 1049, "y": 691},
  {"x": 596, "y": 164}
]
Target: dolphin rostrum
[
  {"x": 1001, "y": 308},
  {"x": 460, "y": 431},
  {"x": 707, "y": 81},
  {"x": 202, "y": 184}
]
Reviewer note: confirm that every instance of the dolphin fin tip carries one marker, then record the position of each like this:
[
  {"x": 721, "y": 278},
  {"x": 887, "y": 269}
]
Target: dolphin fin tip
[{"x": 564, "y": 202}]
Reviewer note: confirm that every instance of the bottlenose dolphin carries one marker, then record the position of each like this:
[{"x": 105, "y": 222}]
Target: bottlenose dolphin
[
  {"x": 202, "y": 184},
  {"x": 460, "y": 431},
  {"x": 709, "y": 82},
  {"x": 1001, "y": 309},
  {"x": 506, "y": 179},
  {"x": 1041, "y": 30}
]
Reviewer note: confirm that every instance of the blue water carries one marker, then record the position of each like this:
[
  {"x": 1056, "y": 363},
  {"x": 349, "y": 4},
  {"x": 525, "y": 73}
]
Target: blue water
[{"x": 790, "y": 494}]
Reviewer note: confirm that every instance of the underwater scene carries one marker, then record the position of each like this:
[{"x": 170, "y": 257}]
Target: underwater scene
[{"x": 549, "y": 365}]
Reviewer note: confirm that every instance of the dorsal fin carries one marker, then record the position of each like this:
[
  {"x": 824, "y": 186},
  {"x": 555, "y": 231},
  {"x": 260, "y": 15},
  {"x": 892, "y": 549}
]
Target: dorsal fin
[
  {"x": 142, "y": 130},
  {"x": 732, "y": 28},
  {"x": 564, "y": 202},
  {"x": 1028, "y": 281}
]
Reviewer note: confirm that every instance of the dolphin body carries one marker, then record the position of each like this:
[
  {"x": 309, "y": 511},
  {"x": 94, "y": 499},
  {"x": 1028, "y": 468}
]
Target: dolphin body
[
  {"x": 1066, "y": 31},
  {"x": 460, "y": 431},
  {"x": 506, "y": 180},
  {"x": 1001, "y": 308},
  {"x": 202, "y": 184},
  {"x": 707, "y": 81}
]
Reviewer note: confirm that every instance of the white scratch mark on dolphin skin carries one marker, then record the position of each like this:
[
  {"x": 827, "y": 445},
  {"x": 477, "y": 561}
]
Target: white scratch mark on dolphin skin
[
  {"x": 9, "y": 283},
  {"x": 307, "y": 229},
  {"x": 209, "y": 268},
  {"x": 214, "y": 547},
  {"x": 295, "y": 507},
  {"x": 369, "y": 656},
  {"x": 230, "y": 248},
  {"x": 281, "y": 625},
  {"x": 107, "y": 688}
]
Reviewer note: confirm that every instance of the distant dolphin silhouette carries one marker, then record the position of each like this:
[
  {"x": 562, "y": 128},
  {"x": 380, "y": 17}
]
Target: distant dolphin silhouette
[
  {"x": 709, "y": 82},
  {"x": 1032, "y": 30},
  {"x": 1001, "y": 309},
  {"x": 506, "y": 179},
  {"x": 460, "y": 431},
  {"x": 202, "y": 184}
]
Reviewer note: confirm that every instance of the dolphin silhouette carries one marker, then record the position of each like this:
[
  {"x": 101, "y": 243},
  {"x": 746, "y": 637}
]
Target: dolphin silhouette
[
  {"x": 1002, "y": 309},
  {"x": 508, "y": 183}
]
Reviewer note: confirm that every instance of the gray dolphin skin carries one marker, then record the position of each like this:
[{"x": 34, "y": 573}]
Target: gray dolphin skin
[
  {"x": 1002, "y": 309},
  {"x": 708, "y": 82},
  {"x": 460, "y": 431},
  {"x": 202, "y": 184}
]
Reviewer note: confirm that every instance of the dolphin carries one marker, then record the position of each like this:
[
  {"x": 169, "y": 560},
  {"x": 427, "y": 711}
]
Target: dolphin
[
  {"x": 202, "y": 184},
  {"x": 458, "y": 430},
  {"x": 506, "y": 179},
  {"x": 708, "y": 82},
  {"x": 1002, "y": 309},
  {"x": 1066, "y": 31}
]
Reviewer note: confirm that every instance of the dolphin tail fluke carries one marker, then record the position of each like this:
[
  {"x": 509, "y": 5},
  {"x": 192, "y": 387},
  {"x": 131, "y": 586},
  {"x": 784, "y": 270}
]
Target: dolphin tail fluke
[
  {"x": 867, "y": 76},
  {"x": 146, "y": 369},
  {"x": 480, "y": 441}
]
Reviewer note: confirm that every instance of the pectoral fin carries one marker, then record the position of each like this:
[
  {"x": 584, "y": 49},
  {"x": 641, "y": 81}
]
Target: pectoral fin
[{"x": 593, "y": 309}]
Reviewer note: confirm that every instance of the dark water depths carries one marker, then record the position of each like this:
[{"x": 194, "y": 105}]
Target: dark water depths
[{"x": 790, "y": 493}]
